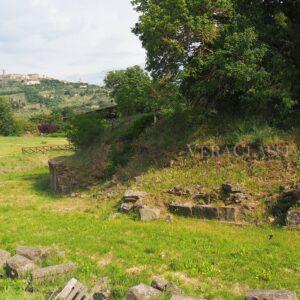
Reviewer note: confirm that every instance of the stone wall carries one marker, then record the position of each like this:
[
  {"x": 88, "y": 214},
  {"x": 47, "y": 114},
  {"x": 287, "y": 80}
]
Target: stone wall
[
  {"x": 293, "y": 218},
  {"x": 62, "y": 178}
]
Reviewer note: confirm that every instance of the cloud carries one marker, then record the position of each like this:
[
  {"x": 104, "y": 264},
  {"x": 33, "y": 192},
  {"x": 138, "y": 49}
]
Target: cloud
[{"x": 68, "y": 38}]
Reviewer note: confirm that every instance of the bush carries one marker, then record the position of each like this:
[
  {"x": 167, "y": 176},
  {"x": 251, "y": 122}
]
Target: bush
[
  {"x": 86, "y": 130},
  {"x": 27, "y": 126},
  {"x": 8, "y": 125},
  {"x": 47, "y": 128}
]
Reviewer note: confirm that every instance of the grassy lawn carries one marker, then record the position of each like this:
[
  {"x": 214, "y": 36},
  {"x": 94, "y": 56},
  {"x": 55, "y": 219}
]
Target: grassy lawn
[{"x": 205, "y": 258}]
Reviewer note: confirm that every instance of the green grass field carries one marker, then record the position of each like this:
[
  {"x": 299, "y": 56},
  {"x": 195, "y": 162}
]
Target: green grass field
[{"x": 205, "y": 258}]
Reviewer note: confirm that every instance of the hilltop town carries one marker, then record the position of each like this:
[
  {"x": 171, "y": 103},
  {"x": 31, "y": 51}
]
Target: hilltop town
[{"x": 28, "y": 79}]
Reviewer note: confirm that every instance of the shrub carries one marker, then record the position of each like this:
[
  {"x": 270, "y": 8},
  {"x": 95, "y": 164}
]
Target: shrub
[
  {"x": 47, "y": 128},
  {"x": 27, "y": 126},
  {"x": 8, "y": 125},
  {"x": 86, "y": 130}
]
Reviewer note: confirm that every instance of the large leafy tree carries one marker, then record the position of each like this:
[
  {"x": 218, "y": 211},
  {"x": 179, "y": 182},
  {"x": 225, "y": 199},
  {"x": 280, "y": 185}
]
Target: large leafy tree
[
  {"x": 234, "y": 55},
  {"x": 129, "y": 88},
  {"x": 8, "y": 125}
]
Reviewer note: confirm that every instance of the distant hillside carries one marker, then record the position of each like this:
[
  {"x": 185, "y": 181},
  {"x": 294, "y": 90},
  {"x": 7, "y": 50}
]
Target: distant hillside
[{"x": 50, "y": 93}]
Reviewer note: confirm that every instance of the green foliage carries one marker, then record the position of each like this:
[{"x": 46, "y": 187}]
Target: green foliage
[
  {"x": 85, "y": 130},
  {"x": 121, "y": 154},
  {"x": 26, "y": 126},
  {"x": 53, "y": 94},
  {"x": 130, "y": 89},
  {"x": 252, "y": 132},
  {"x": 8, "y": 125},
  {"x": 235, "y": 57}
]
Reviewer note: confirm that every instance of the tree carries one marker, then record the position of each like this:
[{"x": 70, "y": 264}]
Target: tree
[
  {"x": 8, "y": 126},
  {"x": 87, "y": 129},
  {"x": 130, "y": 90},
  {"x": 237, "y": 56},
  {"x": 136, "y": 92}
]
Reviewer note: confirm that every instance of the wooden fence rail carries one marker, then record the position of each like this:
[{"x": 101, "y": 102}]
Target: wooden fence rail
[{"x": 45, "y": 149}]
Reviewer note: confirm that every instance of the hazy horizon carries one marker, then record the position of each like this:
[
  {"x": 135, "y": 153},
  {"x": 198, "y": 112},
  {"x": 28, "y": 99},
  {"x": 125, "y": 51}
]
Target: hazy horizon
[{"x": 69, "y": 40}]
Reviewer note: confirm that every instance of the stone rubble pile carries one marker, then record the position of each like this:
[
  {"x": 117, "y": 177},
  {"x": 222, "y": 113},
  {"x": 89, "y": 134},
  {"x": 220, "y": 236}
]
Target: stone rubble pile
[
  {"x": 24, "y": 262},
  {"x": 156, "y": 290},
  {"x": 133, "y": 202}
]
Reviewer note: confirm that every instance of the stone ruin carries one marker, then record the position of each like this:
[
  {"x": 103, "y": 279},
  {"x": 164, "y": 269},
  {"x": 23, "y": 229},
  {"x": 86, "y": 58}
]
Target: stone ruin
[
  {"x": 62, "y": 178},
  {"x": 25, "y": 261}
]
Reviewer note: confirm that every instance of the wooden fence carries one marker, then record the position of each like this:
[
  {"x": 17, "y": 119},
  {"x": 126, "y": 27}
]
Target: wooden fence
[{"x": 45, "y": 149}]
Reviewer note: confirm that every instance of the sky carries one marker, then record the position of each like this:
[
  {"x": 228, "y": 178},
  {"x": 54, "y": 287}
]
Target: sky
[{"x": 68, "y": 39}]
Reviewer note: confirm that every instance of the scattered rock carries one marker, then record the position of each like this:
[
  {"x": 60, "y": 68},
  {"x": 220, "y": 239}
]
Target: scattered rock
[
  {"x": 293, "y": 218},
  {"x": 271, "y": 295},
  {"x": 74, "y": 290},
  {"x": 181, "y": 209},
  {"x": 178, "y": 191},
  {"x": 194, "y": 191},
  {"x": 235, "y": 198},
  {"x": 4, "y": 256},
  {"x": 173, "y": 289},
  {"x": 143, "y": 292},
  {"x": 115, "y": 216},
  {"x": 126, "y": 208},
  {"x": 149, "y": 214},
  {"x": 169, "y": 218},
  {"x": 159, "y": 284},
  {"x": 133, "y": 196},
  {"x": 231, "y": 188},
  {"x": 52, "y": 271},
  {"x": 29, "y": 289},
  {"x": 101, "y": 290},
  {"x": 17, "y": 266},
  {"x": 34, "y": 254},
  {"x": 285, "y": 201},
  {"x": 211, "y": 197},
  {"x": 104, "y": 295}
]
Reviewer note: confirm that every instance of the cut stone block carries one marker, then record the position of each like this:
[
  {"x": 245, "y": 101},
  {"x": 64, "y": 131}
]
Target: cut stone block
[
  {"x": 181, "y": 209},
  {"x": 293, "y": 218},
  {"x": 229, "y": 214},
  {"x": 169, "y": 218},
  {"x": 205, "y": 212},
  {"x": 133, "y": 196},
  {"x": 271, "y": 295},
  {"x": 52, "y": 271},
  {"x": 143, "y": 292},
  {"x": 18, "y": 266},
  {"x": 74, "y": 290},
  {"x": 149, "y": 214},
  {"x": 33, "y": 254},
  {"x": 4, "y": 256}
]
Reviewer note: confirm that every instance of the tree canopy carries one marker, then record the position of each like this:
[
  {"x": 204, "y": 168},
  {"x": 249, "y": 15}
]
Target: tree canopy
[
  {"x": 8, "y": 125},
  {"x": 238, "y": 56},
  {"x": 130, "y": 89}
]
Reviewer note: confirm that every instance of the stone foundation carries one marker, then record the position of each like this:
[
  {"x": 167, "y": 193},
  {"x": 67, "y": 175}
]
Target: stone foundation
[
  {"x": 293, "y": 219},
  {"x": 62, "y": 178},
  {"x": 209, "y": 212}
]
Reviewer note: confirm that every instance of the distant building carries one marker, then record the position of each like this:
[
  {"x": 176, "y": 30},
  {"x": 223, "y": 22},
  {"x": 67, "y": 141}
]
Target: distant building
[{"x": 32, "y": 82}]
